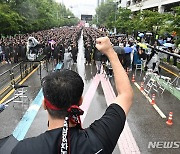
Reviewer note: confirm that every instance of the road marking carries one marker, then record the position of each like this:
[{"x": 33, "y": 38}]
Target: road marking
[
  {"x": 150, "y": 100},
  {"x": 159, "y": 111},
  {"x": 25, "y": 123},
  {"x": 3, "y": 90},
  {"x": 169, "y": 71},
  {"x": 12, "y": 91},
  {"x": 126, "y": 142},
  {"x": 89, "y": 96}
]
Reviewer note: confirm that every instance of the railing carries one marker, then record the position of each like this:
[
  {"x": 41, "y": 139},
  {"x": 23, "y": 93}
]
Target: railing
[
  {"x": 14, "y": 76},
  {"x": 18, "y": 73},
  {"x": 175, "y": 56}
]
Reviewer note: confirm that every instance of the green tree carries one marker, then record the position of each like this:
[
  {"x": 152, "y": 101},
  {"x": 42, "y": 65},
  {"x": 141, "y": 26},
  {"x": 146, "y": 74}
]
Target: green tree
[
  {"x": 105, "y": 14},
  {"x": 11, "y": 21},
  {"x": 33, "y": 15},
  {"x": 124, "y": 22},
  {"x": 176, "y": 23},
  {"x": 147, "y": 20}
]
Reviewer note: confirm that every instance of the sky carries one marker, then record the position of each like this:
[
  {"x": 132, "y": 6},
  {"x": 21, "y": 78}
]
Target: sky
[{"x": 79, "y": 7}]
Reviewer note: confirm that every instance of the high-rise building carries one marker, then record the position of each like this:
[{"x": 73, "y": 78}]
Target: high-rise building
[
  {"x": 100, "y": 1},
  {"x": 155, "y": 5}
]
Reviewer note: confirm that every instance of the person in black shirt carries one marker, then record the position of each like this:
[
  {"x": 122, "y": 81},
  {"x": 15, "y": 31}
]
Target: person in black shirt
[{"x": 62, "y": 97}]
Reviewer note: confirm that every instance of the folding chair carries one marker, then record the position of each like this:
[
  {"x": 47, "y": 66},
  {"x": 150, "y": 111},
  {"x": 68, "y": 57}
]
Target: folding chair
[
  {"x": 151, "y": 84},
  {"x": 166, "y": 82},
  {"x": 148, "y": 74}
]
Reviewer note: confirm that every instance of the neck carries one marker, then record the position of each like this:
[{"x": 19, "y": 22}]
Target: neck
[{"x": 55, "y": 123}]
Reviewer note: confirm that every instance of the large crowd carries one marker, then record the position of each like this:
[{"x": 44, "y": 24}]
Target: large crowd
[
  {"x": 51, "y": 42},
  {"x": 61, "y": 45}
]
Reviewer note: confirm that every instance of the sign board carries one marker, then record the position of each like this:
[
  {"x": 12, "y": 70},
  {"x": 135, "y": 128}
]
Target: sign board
[{"x": 86, "y": 17}]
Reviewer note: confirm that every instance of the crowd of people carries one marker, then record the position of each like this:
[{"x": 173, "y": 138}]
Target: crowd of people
[
  {"x": 61, "y": 45},
  {"x": 132, "y": 51},
  {"x": 53, "y": 43}
]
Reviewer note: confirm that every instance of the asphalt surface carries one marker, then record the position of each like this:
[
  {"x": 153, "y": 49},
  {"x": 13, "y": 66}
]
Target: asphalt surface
[{"x": 144, "y": 121}]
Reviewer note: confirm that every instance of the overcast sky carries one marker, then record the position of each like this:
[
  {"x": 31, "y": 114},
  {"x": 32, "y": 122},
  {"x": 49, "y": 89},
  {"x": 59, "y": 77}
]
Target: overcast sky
[{"x": 79, "y": 7}]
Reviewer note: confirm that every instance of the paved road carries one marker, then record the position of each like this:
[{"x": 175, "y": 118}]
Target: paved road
[{"x": 144, "y": 124}]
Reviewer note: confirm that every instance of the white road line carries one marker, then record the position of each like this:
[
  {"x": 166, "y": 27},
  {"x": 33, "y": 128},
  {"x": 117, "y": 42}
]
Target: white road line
[
  {"x": 159, "y": 111},
  {"x": 149, "y": 99}
]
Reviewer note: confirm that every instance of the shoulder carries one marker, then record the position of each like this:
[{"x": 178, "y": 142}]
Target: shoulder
[
  {"x": 116, "y": 110},
  {"x": 29, "y": 145},
  {"x": 113, "y": 114}
]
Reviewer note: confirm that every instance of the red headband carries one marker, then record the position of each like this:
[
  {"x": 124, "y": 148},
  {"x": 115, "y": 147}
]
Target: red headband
[
  {"x": 73, "y": 109},
  {"x": 50, "y": 105}
]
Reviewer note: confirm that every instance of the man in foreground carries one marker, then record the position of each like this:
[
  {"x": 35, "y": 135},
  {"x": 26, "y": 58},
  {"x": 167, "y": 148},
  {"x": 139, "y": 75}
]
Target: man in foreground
[{"x": 62, "y": 97}]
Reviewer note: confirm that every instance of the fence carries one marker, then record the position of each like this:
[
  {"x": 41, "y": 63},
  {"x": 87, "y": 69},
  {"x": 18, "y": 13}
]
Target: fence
[{"x": 13, "y": 76}]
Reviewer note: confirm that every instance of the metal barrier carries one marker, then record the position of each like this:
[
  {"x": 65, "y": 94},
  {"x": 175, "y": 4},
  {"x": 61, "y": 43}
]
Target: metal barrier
[
  {"x": 163, "y": 52},
  {"x": 18, "y": 72},
  {"x": 14, "y": 76}
]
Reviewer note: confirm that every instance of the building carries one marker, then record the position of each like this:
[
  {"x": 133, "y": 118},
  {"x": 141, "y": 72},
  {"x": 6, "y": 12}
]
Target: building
[
  {"x": 155, "y": 5},
  {"x": 100, "y": 1}
]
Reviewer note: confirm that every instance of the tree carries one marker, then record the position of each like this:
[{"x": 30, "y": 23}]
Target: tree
[
  {"x": 33, "y": 15},
  {"x": 11, "y": 21},
  {"x": 104, "y": 13},
  {"x": 176, "y": 24},
  {"x": 124, "y": 22}
]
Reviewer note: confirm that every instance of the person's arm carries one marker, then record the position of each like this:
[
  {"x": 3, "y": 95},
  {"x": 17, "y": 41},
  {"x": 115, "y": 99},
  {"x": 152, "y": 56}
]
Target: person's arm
[{"x": 123, "y": 87}]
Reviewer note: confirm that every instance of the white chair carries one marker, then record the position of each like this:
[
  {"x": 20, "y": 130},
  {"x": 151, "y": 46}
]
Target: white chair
[
  {"x": 139, "y": 66},
  {"x": 166, "y": 82}
]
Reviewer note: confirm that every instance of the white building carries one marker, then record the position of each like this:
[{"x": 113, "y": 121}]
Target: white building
[
  {"x": 100, "y": 1},
  {"x": 158, "y": 5}
]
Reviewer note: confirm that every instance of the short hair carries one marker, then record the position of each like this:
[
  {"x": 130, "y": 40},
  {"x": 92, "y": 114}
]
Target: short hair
[{"x": 62, "y": 88}]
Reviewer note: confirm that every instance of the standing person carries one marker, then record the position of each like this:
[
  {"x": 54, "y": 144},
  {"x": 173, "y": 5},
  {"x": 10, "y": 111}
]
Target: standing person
[
  {"x": 49, "y": 52},
  {"x": 62, "y": 97},
  {"x": 23, "y": 51},
  {"x": 98, "y": 60},
  {"x": 55, "y": 53},
  {"x": 15, "y": 53},
  {"x": 1, "y": 53},
  {"x": 7, "y": 53},
  {"x": 74, "y": 52},
  {"x": 88, "y": 53},
  {"x": 67, "y": 59}
]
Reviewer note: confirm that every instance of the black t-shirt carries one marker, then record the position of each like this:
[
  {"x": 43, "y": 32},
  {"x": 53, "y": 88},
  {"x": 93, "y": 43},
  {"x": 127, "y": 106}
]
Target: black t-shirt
[{"x": 100, "y": 137}]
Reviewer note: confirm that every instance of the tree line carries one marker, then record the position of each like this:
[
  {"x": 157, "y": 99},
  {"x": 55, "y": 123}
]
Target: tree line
[
  {"x": 127, "y": 22},
  {"x": 22, "y": 16}
]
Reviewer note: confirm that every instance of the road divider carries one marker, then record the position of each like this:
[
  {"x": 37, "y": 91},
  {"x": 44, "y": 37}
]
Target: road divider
[{"x": 126, "y": 142}]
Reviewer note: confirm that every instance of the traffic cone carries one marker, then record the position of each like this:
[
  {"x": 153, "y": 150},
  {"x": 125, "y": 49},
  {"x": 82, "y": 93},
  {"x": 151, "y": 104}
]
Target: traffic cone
[
  {"x": 153, "y": 99},
  {"x": 142, "y": 86},
  {"x": 133, "y": 78},
  {"x": 169, "y": 121}
]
